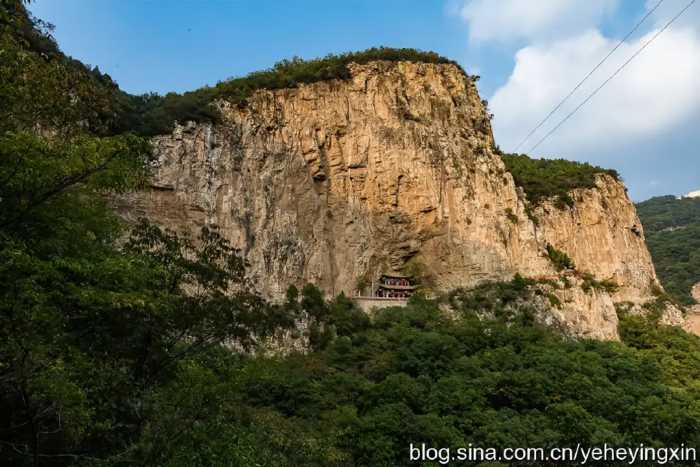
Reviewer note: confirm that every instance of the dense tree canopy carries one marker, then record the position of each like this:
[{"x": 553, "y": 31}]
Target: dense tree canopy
[
  {"x": 42, "y": 89},
  {"x": 672, "y": 228},
  {"x": 89, "y": 326},
  {"x": 416, "y": 376}
]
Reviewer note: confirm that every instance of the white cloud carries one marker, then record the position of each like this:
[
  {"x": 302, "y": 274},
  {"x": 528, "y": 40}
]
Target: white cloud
[
  {"x": 508, "y": 20},
  {"x": 656, "y": 91}
]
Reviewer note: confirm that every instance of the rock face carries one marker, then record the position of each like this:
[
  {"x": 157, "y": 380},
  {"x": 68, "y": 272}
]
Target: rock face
[
  {"x": 341, "y": 180},
  {"x": 604, "y": 237},
  {"x": 693, "y": 315}
]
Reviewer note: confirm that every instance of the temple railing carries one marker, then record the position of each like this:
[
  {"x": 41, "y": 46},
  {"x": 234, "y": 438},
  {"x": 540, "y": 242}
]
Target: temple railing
[{"x": 376, "y": 297}]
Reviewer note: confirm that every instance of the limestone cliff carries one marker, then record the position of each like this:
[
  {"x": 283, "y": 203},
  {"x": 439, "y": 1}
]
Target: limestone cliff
[
  {"x": 693, "y": 322},
  {"x": 604, "y": 237},
  {"x": 341, "y": 180}
]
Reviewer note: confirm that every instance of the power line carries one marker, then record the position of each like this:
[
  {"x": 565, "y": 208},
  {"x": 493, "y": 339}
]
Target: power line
[
  {"x": 585, "y": 78},
  {"x": 591, "y": 95}
]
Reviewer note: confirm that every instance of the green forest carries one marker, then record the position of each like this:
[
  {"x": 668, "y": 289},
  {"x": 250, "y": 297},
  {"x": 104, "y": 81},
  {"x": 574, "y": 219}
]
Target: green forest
[
  {"x": 128, "y": 345},
  {"x": 672, "y": 228}
]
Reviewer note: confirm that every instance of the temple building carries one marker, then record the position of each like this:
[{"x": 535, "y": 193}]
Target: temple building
[{"x": 395, "y": 285}]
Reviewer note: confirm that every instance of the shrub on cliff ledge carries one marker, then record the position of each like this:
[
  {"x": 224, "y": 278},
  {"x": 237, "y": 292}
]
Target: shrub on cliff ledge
[
  {"x": 552, "y": 178},
  {"x": 559, "y": 259}
]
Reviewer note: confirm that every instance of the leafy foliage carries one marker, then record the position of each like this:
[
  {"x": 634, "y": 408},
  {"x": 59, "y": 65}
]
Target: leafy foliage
[
  {"x": 591, "y": 283},
  {"x": 552, "y": 178},
  {"x": 36, "y": 173},
  {"x": 42, "y": 89},
  {"x": 668, "y": 213},
  {"x": 677, "y": 350},
  {"x": 672, "y": 228},
  {"x": 89, "y": 328},
  {"x": 503, "y": 301},
  {"x": 559, "y": 259},
  {"x": 415, "y": 376},
  {"x": 87, "y": 336}
]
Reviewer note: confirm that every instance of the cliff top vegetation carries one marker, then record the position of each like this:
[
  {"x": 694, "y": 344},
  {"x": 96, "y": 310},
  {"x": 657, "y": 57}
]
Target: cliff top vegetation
[
  {"x": 552, "y": 178},
  {"x": 156, "y": 114}
]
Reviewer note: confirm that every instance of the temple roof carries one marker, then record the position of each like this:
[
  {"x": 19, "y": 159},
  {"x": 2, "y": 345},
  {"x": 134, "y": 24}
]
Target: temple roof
[{"x": 396, "y": 275}]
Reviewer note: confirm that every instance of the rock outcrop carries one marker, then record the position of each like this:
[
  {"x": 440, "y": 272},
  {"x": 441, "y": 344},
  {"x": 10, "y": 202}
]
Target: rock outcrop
[
  {"x": 693, "y": 314},
  {"x": 341, "y": 180},
  {"x": 604, "y": 237}
]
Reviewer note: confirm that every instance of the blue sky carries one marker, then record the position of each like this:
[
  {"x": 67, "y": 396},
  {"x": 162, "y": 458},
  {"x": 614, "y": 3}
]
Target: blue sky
[{"x": 529, "y": 54}]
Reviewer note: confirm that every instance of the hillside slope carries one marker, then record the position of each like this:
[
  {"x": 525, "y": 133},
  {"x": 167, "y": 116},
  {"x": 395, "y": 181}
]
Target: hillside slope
[{"x": 673, "y": 235}]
